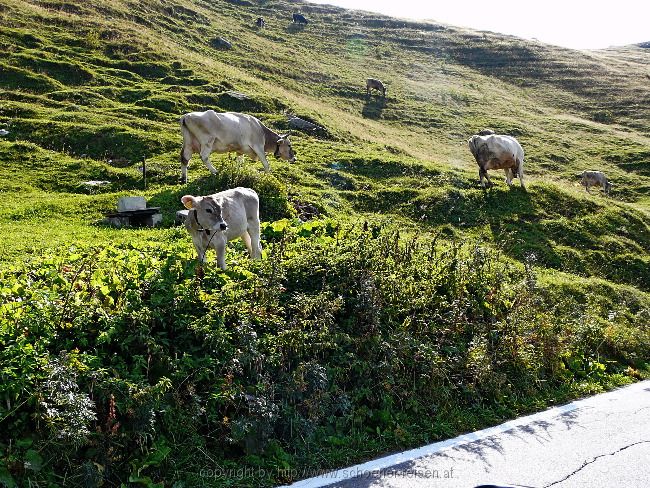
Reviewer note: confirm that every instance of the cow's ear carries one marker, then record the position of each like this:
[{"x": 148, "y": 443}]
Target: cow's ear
[{"x": 189, "y": 201}]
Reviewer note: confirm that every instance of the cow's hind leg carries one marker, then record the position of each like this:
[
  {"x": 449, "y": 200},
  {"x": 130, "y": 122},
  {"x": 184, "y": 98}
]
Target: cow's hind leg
[
  {"x": 254, "y": 234},
  {"x": 186, "y": 155},
  {"x": 520, "y": 173},
  {"x": 509, "y": 176},
  {"x": 481, "y": 176},
  {"x": 247, "y": 241},
  {"x": 205, "y": 157}
]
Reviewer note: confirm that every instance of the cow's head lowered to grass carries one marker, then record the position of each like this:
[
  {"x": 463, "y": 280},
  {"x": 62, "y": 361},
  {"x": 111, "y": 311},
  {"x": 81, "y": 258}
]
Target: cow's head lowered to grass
[{"x": 283, "y": 149}]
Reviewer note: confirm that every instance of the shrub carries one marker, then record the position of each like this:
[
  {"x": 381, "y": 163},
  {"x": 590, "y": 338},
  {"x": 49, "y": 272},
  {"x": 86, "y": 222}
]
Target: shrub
[{"x": 339, "y": 336}]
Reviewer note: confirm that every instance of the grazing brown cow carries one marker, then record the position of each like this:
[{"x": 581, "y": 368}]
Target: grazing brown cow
[{"x": 374, "y": 84}]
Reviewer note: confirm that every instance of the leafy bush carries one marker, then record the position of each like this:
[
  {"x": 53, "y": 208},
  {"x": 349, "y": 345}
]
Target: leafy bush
[{"x": 339, "y": 337}]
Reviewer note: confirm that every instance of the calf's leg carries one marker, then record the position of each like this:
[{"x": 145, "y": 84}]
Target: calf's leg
[
  {"x": 219, "y": 245},
  {"x": 254, "y": 234},
  {"x": 247, "y": 241}
]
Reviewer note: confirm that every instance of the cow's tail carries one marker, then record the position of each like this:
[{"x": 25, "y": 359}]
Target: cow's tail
[
  {"x": 186, "y": 150},
  {"x": 520, "y": 168}
]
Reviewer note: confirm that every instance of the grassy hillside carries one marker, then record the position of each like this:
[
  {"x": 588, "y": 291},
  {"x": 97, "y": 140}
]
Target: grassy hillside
[{"x": 451, "y": 309}]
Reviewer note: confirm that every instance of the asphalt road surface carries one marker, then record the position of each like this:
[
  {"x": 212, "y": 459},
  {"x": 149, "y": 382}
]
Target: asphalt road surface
[{"x": 598, "y": 442}]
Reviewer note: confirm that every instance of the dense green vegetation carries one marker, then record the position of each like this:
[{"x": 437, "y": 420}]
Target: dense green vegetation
[{"x": 415, "y": 307}]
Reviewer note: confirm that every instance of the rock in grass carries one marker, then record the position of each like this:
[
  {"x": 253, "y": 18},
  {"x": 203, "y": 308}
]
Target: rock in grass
[
  {"x": 127, "y": 204},
  {"x": 221, "y": 43},
  {"x": 181, "y": 215},
  {"x": 302, "y": 124},
  {"x": 93, "y": 185}
]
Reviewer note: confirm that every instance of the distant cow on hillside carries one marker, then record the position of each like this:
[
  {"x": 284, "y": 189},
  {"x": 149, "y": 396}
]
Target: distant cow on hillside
[
  {"x": 595, "y": 178},
  {"x": 498, "y": 152},
  {"x": 299, "y": 19},
  {"x": 208, "y": 132},
  {"x": 374, "y": 84},
  {"x": 486, "y": 132},
  {"x": 260, "y": 22}
]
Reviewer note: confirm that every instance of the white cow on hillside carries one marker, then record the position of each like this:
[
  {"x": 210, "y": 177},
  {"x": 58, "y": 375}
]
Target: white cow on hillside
[
  {"x": 208, "y": 132},
  {"x": 498, "y": 152}
]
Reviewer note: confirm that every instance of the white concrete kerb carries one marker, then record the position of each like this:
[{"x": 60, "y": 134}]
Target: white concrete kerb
[{"x": 383, "y": 463}]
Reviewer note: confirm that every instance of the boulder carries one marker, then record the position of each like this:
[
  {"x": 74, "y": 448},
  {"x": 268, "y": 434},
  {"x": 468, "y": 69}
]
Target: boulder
[{"x": 128, "y": 204}]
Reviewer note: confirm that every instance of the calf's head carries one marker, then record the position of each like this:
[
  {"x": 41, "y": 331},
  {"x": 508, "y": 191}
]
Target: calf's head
[
  {"x": 283, "y": 149},
  {"x": 208, "y": 212}
]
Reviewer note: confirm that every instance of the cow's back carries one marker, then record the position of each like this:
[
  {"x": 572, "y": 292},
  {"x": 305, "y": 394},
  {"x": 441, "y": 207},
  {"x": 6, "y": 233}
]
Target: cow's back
[
  {"x": 227, "y": 129},
  {"x": 239, "y": 206},
  {"x": 240, "y": 198},
  {"x": 503, "y": 146},
  {"x": 594, "y": 178},
  {"x": 374, "y": 83},
  {"x": 201, "y": 123}
]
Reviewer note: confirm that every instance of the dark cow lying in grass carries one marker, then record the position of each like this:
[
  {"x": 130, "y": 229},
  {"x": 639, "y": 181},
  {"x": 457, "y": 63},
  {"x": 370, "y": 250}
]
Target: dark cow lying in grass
[
  {"x": 208, "y": 132},
  {"x": 595, "y": 178},
  {"x": 214, "y": 220},
  {"x": 498, "y": 152},
  {"x": 299, "y": 19}
]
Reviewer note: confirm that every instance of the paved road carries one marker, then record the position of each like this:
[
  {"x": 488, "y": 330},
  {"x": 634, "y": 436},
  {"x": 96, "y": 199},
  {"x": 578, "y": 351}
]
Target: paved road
[{"x": 598, "y": 442}]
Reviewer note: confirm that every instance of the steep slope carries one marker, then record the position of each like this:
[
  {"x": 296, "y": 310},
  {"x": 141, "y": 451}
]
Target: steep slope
[
  {"x": 108, "y": 80},
  {"x": 454, "y": 308}
]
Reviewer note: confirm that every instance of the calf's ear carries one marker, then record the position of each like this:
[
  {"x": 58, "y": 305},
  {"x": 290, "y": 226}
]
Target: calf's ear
[{"x": 189, "y": 201}]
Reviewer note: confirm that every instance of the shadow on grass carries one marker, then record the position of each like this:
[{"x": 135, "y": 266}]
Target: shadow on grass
[
  {"x": 294, "y": 28},
  {"x": 511, "y": 215},
  {"x": 373, "y": 107}
]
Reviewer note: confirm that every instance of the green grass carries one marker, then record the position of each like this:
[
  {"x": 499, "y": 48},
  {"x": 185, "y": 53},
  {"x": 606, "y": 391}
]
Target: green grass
[{"x": 88, "y": 90}]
